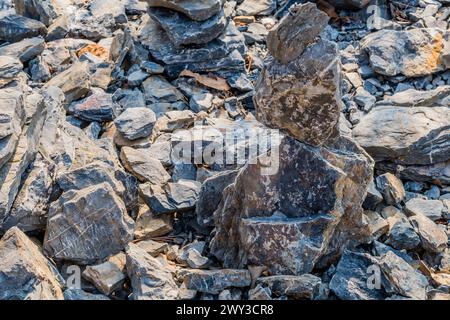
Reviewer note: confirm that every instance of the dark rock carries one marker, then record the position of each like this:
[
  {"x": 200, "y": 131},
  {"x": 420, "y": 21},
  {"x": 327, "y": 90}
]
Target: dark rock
[
  {"x": 215, "y": 281},
  {"x": 24, "y": 50},
  {"x": 195, "y": 10},
  {"x": 391, "y": 188},
  {"x": 99, "y": 106},
  {"x": 306, "y": 286},
  {"x": 14, "y": 28}
]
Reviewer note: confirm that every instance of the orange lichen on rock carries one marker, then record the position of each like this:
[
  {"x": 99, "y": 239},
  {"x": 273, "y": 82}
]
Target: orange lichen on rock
[
  {"x": 434, "y": 58},
  {"x": 96, "y": 50}
]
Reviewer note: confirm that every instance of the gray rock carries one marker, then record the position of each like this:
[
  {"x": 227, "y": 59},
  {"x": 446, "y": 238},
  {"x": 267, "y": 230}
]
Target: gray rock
[
  {"x": 215, "y": 281},
  {"x": 373, "y": 197},
  {"x": 287, "y": 45},
  {"x": 152, "y": 68},
  {"x": 24, "y": 50},
  {"x": 433, "y": 238},
  {"x": 136, "y": 78},
  {"x": 26, "y": 273},
  {"x": 432, "y": 209},
  {"x": 150, "y": 279},
  {"x": 44, "y": 11},
  {"x": 115, "y": 8},
  {"x": 382, "y": 134},
  {"x": 135, "y": 123},
  {"x": 143, "y": 166},
  {"x": 149, "y": 225},
  {"x": 433, "y": 193},
  {"x": 78, "y": 294},
  {"x": 402, "y": 235},
  {"x": 171, "y": 197},
  {"x": 391, "y": 188},
  {"x": 157, "y": 89},
  {"x": 418, "y": 98},
  {"x": 377, "y": 225},
  {"x": 201, "y": 102},
  {"x": 256, "y": 7},
  {"x": 9, "y": 67},
  {"x": 195, "y": 10},
  {"x": 14, "y": 28},
  {"x": 183, "y": 31},
  {"x": 306, "y": 286},
  {"x": 87, "y": 225},
  {"x": 99, "y": 106}
]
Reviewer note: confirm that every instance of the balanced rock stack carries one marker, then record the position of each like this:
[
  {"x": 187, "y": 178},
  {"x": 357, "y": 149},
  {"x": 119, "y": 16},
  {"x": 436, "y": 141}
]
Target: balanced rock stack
[
  {"x": 194, "y": 35},
  {"x": 301, "y": 217}
]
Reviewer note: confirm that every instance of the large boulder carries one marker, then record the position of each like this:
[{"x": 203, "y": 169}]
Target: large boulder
[
  {"x": 14, "y": 28},
  {"x": 26, "y": 273}
]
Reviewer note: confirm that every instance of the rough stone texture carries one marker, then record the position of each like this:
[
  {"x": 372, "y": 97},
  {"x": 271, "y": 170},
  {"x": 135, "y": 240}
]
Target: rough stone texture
[
  {"x": 294, "y": 228},
  {"x": 256, "y": 7},
  {"x": 382, "y": 134},
  {"x": 302, "y": 97},
  {"x": 135, "y": 123},
  {"x": 26, "y": 273},
  {"x": 78, "y": 295},
  {"x": 99, "y": 106},
  {"x": 306, "y": 286},
  {"x": 24, "y": 50},
  {"x": 194, "y": 9},
  {"x": 418, "y": 98},
  {"x": 215, "y": 281},
  {"x": 433, "y": 238},
  {"x": 14, "y": 28},
  {"x": 184, "y": 31},
  {"x": 413, "y": 53},
  {"x": 150, "y": 225},
  {"x": 87, "y": 225},
  {"x": 144, "y": 167},
  {"x": 285, "y": 43},
  {"x": 432, "y": 209},
  {"x": 150, "y": 279},
  {"x": 9, "y": 67},
  {"x": 391, "y": 188}
]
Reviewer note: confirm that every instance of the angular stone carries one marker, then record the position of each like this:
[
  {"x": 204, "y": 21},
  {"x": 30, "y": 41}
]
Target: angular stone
[
  {"x": 158, "y": 89},
  {"x": 26, "y": 273},
  {"x": 383, "y": 135},
  {"x": 108, "y": 276},
  {"x": 373, "y": 197},
  {"x": 171, "y": 197},
  {"x": 433, "y": 209},
  {"x": 150, "y": 279},
  {"x": 377, "y": 225},
  {"x": 153, "y": 248},
  {"x": 195, "y": 10},
  {"x": 14, "y": 28},
  {"x": 183, "y": 31},
  {"x": 42, "y": 10},
  {"x": 9, "y": 67},
  {"x": 306, "y": 286},
  {"x": 215, "y": 281},
  {"x": 433, "y": 238},
  {"x": 115, "y": 8},
  {"x": 285, "y": 44},
  {"x": 78, "y": 295},
  {"x": 24, "y": 50},
  {"x": 302, "y": 97},
  {"x": 256, "y": 7},
  {"x": 413, "y": 52},
  {"x": 417, "y": 98},
  {"x": 135, "y": 123},
  {"x": 148, "y": 225},
  {"x": 353, "y": 4},
  {"x": 261, "y": 216},
  {"x": 391, "y": 188},
  {"x": 87, "y": 225},
  {"x": 97, "y": 107},
  {"x": 144, "y": 167},
  {"x": 402, "y": 235},
  {"x": 210, "y": 196},
  {"x": 74, "y": 82}
]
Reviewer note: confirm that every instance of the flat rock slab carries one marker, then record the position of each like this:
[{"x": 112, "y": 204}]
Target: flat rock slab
[
  {"x": 194, "y": 9},
  {"x": 215, "y": 281},
  {"x": 14, "y": 28},
  {"x": 135, "y": 123},
  {"x": 24, "y": 50},
  {"x": 183, "y": 31}
]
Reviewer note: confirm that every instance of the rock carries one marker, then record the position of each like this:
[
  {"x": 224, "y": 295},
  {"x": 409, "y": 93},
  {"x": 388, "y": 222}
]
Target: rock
[
  {"x": 14, "y": 28},
  {"x": 115, "y": 8},
  {"x": 248, "y": 218},
  {"x": 354, "y": 4},
  {"x": 210, "y": 196},
  {"x": 391, "y": 188},
  {"x": 40, "y": 72},
  {"x": 144, "y": 167},
  {"x": 135, "y": 123},
  {"x": 402, "y": 278},
  {"x": 284, "y": 44},
  {"x": 24, "y": 50},
  {"x": 401, "y": 234},
  {"x": 215, "y": 281},
  {"x": 299, "y": 101},
  {"x": 378, "y": 226},
  {"x": 201, "y": 102},
  {"x": 161, "y": 151},
  {"x": 351, "y": 280},
  {"x": 150, "y": 279},
  {"x": 99, "y": 106},
  {"x": 306, "y": 286},
  {"x": 108, "y": 276},
  {"x": 136, "y": 78},
  {"x": 183, "y": 31},
  {"x": 170, "y": 197},
  {"x": 153, "y": 248},
  {"x": 195, "y": 260},
  {"x": 157, "y": 89},
  {"x": 413, "y": 52},
  {"x": 195, "y": 10},
  {"x": 78, "y": 294},
  {"x": 433, "y": 238},
  {"x": 74, "y": 82},
  {"x": 432, "y": 209},
  {"x": 9, "y": 67},
  {"x": 95, "y": 224},
  {"x": 152, "y": 68},
  {"x": 417, "y": 98},
  {"x": 44, "y": 11},
  {"x": 148, "y": 225},
  {"x": 373, "y": 197},
  {"x": 259, "y": 293},
  {"x": 256, "y": 7},
  {"x": 26, "y": 273}
]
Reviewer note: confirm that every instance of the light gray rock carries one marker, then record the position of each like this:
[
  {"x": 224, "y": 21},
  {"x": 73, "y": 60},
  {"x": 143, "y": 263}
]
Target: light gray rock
[
  {"x": 256, "y": 7},
  {"x": 9, "y": 67},
  {"x": 149, "y": 225},
  {"x": 24, "y": 50},
  {"x": 79, "y": 295},
  {"x": 158, "y": 89},
  {"x": 432, "y": 209},
  {"x": 215, "y": 281},
  {"x": 99, "y": 106},
  {"x": 14, "y": 28},
  {"x": 418, "y": 98},
  {"x": 135, "y": 123},
  {"x": 306, "y": 286},
  {"x": 391, "y": 188},
  {"x": 433, "y": 238},
  {"x": 195, "y": 10},
  {"x": 26, "y": 273}
]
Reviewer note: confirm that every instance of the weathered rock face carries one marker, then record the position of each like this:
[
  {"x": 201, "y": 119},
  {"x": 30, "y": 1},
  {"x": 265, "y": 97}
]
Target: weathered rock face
[
  {"x": 97, "y": 107},
  {"x": 382, "y": 134},
  {"x": 215, "y": 281},
  {"x": 26, "y": 273},
  {"x": 315, "y": 199},
  {"x": 150, "y": 279},
  {"x": 301, "y": 96},
  {"x": 24, "y": 50},
  {"x": 14, "y": 28},
  {"x": 413, "y": 53},
  {"x": 135, "y": 123},
  {"x": 195, "y": 10},
  {"x": 87, "y": 225},
  {"x": 306, "y": 286}
]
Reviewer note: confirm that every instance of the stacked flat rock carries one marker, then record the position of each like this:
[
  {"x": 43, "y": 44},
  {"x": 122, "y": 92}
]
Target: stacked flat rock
[
  {"x": 302, "y": 215},
  {"x": 194, "y": 35}
]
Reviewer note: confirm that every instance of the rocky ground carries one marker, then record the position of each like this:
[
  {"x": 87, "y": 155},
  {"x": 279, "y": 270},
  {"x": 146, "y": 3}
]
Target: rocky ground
[{"x": 95, "y": 96}]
